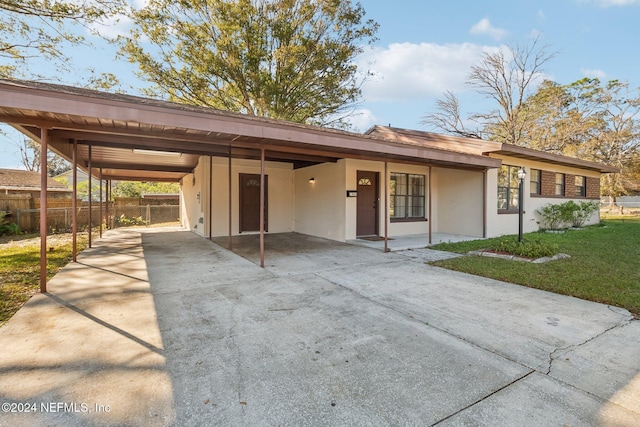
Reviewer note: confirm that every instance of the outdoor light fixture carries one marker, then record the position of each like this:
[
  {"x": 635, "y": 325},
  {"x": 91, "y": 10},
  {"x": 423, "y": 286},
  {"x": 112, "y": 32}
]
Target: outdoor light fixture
[
  {"x": 156, "y": 153},
  {"x": 521, "y": 175},
  {"x": 312, "y": 180}
]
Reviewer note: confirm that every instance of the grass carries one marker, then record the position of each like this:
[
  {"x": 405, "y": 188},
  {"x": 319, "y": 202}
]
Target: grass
[
  {"x": 20, "y": 267},
  {"x": 604, "y": 266}
]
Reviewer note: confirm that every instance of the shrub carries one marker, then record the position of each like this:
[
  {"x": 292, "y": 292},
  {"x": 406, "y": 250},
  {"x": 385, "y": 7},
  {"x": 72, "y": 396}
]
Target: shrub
[
  {"x": 526, "y": 248},
  {"x": 583, "y": 212},
  {"x": 7, "y": 227},
  {"x": 552, "y": 216},
  {"x": 555, "y": 216},
  {"x": 123, "y": 220}
]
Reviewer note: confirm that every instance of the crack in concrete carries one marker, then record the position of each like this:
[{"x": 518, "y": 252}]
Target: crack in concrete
[
  {"x": 485, "y": 397},
  {"x": 553, "y": 356}
]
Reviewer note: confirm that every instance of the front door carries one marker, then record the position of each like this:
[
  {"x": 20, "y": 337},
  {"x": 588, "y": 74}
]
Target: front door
[
  {"x": 250, "y": 202},
  {"x": 367, "y": 216}
]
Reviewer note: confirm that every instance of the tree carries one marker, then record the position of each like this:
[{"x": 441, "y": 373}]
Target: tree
[
  {"x": 137, "y": 189},
  {"x": 30, "y": 156},
  {"x": 285, "y": 59},
  {"x": 506, "y": 78},
  {"x": 593, "y": 121},
  {"x": 31, "y": 28}
]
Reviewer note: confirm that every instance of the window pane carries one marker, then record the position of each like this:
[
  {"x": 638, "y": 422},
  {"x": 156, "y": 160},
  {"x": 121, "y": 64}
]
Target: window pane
[
  {"x": 502, "y": 197},
  {"x": 513, "y": 177},
  {"x": 400, "y": 207},
  {"x": 513, "y": 198},
  {"x": 503, "y": 174},
  {"x": 535, "y": 181}
]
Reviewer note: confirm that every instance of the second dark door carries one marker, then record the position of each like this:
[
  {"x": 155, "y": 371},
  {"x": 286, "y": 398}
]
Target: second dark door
[{"x": 250, "y": 202}]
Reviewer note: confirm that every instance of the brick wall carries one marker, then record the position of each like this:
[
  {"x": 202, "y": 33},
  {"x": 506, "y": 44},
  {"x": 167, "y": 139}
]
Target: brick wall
[
  {"x": 569, "y": 185},
  {"x": 547, "y": 183},
  {"x": 548, "y": 186},
  {"x": 593, "y": 188}
]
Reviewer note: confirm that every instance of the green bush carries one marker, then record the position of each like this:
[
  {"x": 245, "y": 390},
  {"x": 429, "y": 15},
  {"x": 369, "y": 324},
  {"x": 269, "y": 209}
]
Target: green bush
[
  {"x": 7, "y": 227},
  {"x": 123, "y": 220},
  {"x": 556, "y": 216},
  {"x": 583, "y": 212},
  {"x": 529, "y": 248}
]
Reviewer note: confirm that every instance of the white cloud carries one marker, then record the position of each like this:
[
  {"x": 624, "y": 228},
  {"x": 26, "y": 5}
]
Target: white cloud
[
  {"x": 484, "y": 27},
  {"x": 541, "y": 15},
  {"x": 112, "y": 27},
  {"x": 362, "y": 119},
  {"x": 593, "y": 73},
  {"x": 409, "y": 71},
  {"x": 609, "y": 3},
  {"x": 118, "y": 25}
]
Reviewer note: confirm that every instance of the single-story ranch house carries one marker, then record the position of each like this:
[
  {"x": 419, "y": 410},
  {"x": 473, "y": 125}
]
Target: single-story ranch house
[{"x": 322, "y": 182}]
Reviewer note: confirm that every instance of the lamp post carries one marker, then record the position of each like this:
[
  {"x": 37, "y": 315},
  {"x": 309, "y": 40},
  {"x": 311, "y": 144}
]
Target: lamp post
[{"x": 521, "y": 175}]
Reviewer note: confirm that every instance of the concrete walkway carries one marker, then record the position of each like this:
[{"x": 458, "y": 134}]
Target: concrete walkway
[{"x": 160, "y": 327}]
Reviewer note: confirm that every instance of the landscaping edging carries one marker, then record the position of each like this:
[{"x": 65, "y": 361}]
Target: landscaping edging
[{"x": 488, "y": 253}]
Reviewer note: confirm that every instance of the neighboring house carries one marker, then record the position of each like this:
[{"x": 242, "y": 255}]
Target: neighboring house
[
  {"x": 318, "y": 181},
  {"x": 15, "y": 181}
]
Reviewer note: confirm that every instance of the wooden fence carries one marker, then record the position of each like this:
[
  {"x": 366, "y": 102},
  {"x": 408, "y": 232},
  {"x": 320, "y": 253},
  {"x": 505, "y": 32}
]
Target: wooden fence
[{"x": 25, "y": 212}]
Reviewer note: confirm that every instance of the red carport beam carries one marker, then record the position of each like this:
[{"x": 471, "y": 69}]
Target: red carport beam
[
  {"x": 89, "y": 167},
  {"x": 43, "y": 210},
  {"x": 262, "y": 206},
  {"x": 101, "y": 218},
  {"x": 74, "y": 203},
  {"x": 386, "y": 207}
]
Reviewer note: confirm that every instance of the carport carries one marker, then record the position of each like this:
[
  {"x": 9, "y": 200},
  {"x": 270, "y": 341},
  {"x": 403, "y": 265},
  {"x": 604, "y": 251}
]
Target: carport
[{"x": 115, "y": 136}]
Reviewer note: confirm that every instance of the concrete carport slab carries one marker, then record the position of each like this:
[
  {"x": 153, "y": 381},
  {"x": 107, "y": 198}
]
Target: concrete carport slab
[{"x": 167, "y": 328}]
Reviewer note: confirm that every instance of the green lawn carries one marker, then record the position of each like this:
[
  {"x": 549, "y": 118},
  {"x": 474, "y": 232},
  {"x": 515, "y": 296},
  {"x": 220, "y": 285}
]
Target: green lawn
[
  {"x": 604, "y": 264},
  {"x": 20, "y": 268}
]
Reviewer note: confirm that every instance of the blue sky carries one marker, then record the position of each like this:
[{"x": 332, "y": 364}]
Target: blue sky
[{"x": 426, "y": 47}]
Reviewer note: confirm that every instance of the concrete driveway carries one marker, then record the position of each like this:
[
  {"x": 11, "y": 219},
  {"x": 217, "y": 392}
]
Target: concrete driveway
[{"x": 161, "y": 327}]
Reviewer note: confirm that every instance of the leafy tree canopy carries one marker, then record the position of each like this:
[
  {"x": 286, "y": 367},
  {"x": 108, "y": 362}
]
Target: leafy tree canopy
[
  {"x": 32, "y": 28},
  {"x": 285, "y": 59},
  {"x": 137, "y": 189}
]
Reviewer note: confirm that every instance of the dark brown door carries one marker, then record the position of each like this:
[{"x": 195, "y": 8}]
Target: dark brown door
[
  {"x": 250, "y": 202},
  {"x": 367, "y": 217}
]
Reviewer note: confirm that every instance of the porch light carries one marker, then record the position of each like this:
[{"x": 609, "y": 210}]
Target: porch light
[
  {"x": 521, "y": 175},
  {"x": 312, "y": 180}
]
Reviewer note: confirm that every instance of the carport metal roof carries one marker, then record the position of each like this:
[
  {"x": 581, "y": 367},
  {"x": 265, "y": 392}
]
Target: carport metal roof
[{"x": 118, "y": 126}]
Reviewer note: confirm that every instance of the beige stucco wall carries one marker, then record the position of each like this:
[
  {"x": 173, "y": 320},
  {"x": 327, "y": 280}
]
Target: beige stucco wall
[
  {"x": 457, "y": 202},
  {"x": 192, "y": 209},
  {"x": 501, "y": 224},
  {"x": 320, "y": 207},
  {"x": 280, "y": 196}
]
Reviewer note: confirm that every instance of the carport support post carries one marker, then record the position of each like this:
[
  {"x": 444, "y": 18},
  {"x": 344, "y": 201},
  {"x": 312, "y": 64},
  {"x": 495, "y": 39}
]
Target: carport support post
[
  {"x": 101, "y": 217},
  {"x": 230, "y": 208},
  {"x": 89, "y": 182},
  {"x": 429, "y": 197},
  {"x": 262, "y": 206},
  {"x": 43, "y": 209},
  {"x": 108, "y": 183},
  {"x": 386, "y": 207},
  {"x": 210, "y": 196},
  {"x": 74, "y": 203}
]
